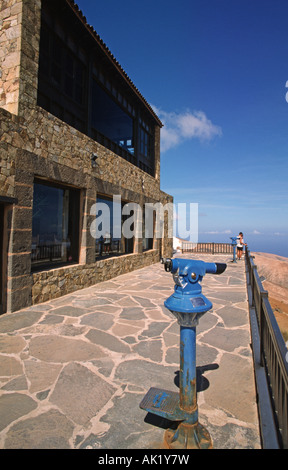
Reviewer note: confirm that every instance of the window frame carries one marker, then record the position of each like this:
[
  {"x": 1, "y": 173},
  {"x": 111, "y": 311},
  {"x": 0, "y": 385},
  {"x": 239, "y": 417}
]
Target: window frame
[
  {"x": 96, "y": 66},
  {"x": 147, "y": 242},
  {"x": 125, "y": 244},
  {"x": 52, "y": 89},
  {"x": 46, "y": 254}
]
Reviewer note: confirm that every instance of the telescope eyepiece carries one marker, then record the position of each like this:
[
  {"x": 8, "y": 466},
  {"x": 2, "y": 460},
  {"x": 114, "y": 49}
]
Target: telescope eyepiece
[
  {"x": 220, "y": 268},
  {"x": 167, "y": 264}
]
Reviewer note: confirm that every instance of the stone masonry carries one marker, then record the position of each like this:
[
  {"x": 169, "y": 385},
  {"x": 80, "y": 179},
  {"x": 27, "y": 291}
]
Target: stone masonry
[
  {"x": 34, "y": 142},
  {"x": 74, "y": 370}
]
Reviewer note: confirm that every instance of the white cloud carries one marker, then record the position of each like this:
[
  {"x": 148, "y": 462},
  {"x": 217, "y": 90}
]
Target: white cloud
[
  {"x": 255, "y": 232},
  {"x": 185, "y": 126},
  {"x": 217, "y": 232}
]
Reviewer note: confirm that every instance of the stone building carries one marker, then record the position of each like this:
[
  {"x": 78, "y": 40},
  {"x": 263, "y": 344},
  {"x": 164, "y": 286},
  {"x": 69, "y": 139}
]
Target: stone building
[{"x": 74, "y": 131}]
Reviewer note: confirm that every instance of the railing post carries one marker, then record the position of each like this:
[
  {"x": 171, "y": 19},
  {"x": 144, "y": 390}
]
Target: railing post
[
  {"x": 263, "y": 294},
  {"x": 271, "y": 363},
  {"x": 253, "y": 282}
]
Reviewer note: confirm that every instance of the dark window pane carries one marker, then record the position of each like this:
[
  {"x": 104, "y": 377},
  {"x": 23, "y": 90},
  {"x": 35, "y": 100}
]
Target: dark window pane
[
  {"x": 109, "y": 239},
  {"x": 61, "y": 79},
  {"x": 145, "y": 140},
  {"x": 55, "y": 224},
  {"x": 148, "y": 228},
  {"x": 56, "y": 73},
  {"x": 69, "y": 64},
  {"x": 57, "y": 51},
  {"x": 63, "y": 83},
  {"x": 69, "y": 85},
  {"x": 111, "y": 120}
]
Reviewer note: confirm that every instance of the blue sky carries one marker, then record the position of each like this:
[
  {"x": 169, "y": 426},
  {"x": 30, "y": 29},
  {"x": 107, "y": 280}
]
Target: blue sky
[{"x": 216, "y": 72}]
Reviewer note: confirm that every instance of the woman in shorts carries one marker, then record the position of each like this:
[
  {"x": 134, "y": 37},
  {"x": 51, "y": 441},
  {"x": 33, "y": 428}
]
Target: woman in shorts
[{"x": 240, "y": 244}]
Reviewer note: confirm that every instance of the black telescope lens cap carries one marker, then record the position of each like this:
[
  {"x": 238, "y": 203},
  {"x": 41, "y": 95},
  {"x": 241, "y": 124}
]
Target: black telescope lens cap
[
  {"x": 220, "y": 268},
  {"x": 168, "y": 265}
]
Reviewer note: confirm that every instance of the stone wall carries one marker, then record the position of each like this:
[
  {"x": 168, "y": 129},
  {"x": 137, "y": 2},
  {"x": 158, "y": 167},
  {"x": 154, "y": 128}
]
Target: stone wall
[
  {"x": 7, "y": 154},
  {"x": 34, "y": 143},
  {"x": 46, "y": 147},
  {"x": 19, "y": 51},
  {"x": 57, "y": 282},
  {"x": 10, "y": 44}
]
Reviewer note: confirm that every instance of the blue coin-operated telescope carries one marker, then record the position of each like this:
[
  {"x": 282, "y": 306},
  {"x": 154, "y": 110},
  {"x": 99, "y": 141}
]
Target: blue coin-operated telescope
[
  {"x": 187, "y": 304},
  {"x": 234, "y": 244}
]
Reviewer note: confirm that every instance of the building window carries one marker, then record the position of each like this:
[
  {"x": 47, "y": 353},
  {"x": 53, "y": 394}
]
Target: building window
[
  {"x": 55, "y": 225},
  {"x": 77, "y": 84},
  {"x": 62, "y": 86},
  {"x": 107, "y": 229},
  {"x": 148, "y": 227},
  {"x": 111, "y": 120},
  {"x": 146, "y": 141}
]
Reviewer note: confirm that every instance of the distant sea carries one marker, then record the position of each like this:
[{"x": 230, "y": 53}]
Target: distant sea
[{"x": 275, "y": 244}]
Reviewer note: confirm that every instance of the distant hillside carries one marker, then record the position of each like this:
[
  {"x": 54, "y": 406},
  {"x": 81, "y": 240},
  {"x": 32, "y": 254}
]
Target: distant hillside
[
  {"x": 273, "y": 271},
  {"x": 273, "y": 268}
]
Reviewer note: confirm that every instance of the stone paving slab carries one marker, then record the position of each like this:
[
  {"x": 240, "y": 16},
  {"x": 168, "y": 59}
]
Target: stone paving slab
[{"x": 74, "y": 370}]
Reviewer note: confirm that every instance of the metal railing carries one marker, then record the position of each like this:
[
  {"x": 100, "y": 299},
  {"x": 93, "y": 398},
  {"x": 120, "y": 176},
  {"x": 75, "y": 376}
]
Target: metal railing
[
  {"x": 273, "y": 354},
  {"x": 212, "y": 248},
  {"x": 46, "y": 252}
]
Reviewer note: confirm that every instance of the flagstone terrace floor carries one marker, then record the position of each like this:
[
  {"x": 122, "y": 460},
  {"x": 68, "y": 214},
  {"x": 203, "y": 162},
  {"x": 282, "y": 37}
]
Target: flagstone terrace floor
[{"x": 74, "y": 370}]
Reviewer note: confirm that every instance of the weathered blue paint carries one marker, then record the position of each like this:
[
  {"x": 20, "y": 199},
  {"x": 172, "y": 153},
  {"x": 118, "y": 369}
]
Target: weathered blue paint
[
  {"x": 187, "y": 275},
  {"x": 187, "y": 376},
  {"x": 234, "y": 244},
  {"x": 188, "y": 304}
]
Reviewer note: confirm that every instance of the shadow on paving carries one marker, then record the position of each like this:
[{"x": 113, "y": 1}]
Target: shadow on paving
[{"x": 74, "y": 370}]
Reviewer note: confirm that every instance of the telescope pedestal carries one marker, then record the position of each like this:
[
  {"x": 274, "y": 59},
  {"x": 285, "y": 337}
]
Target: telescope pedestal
[
  {"x": 182, "y": 407},
  {"x": 234, "y": 244},
  {"x": 187, "y": 304},
  {"x": 188, "y": 436}
]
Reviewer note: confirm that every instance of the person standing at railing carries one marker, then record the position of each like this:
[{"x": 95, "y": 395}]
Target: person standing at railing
[{"x": 240, "y": 245}]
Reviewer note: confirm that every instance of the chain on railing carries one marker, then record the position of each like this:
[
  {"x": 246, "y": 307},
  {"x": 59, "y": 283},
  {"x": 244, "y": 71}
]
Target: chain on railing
[{"x": 273, "y": 351}]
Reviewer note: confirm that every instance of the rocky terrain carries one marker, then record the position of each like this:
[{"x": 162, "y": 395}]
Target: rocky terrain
[{"x": 273, "y": 271}]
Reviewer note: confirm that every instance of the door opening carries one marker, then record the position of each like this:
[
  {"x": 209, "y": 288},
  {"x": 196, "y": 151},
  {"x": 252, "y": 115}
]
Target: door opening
[{"x": 2, "y": 293}]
